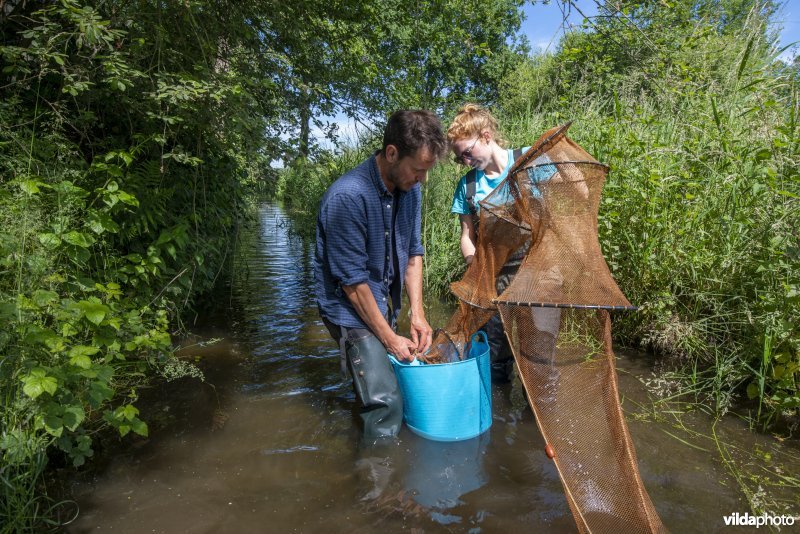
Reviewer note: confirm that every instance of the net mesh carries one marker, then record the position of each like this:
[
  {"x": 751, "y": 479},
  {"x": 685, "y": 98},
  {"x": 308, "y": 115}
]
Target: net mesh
[{"x": 556, "y": 316}]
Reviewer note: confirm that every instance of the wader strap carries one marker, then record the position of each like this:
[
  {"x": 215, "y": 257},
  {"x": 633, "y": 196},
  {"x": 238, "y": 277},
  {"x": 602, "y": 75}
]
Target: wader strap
[
  {"x": 343, "y": 352},
  {"x": 471, "y": 204},
  {"x": 340, "y": 334},
  {"x": 471, "y": 178}
]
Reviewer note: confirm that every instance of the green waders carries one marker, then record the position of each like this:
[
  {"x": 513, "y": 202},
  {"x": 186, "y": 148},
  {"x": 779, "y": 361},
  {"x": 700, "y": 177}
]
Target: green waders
[
  {"x": 500, "y": 356},
  {"x": 364, "y": 358}
]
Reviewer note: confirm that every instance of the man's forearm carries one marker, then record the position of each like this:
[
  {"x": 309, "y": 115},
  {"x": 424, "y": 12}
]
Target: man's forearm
[
  {"x": 413, "y": 283},
  {"x": 363, "y": 301},
  {"x": 421, "y": 333}
]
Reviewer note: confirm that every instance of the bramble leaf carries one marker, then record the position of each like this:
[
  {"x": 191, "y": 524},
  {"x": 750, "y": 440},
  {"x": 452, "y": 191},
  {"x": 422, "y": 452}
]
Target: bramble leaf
[{"x": 38, "y": 382}]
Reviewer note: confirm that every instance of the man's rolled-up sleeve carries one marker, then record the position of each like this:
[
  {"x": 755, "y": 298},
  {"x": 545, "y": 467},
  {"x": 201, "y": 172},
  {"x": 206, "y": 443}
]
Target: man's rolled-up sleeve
[
  {"x": 415, "y": 247},
  {"x": 346, "y": 229}
]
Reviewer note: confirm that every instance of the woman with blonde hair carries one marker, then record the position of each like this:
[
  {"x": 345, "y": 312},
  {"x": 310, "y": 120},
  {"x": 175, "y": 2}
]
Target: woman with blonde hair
[{"x": 476, "y": 141}]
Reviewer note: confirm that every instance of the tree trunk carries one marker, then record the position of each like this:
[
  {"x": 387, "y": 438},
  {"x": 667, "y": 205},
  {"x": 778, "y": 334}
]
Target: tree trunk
[{"x": 305, "y": 129}]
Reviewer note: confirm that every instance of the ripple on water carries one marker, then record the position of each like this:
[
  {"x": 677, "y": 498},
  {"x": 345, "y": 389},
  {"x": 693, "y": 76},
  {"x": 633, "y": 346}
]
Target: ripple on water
[
  {"x": 336, "y": 387},
  {"x": 254, "y": 389},
  {"x": 268, "y": 354},
  {"x": 290, "y": 450}
]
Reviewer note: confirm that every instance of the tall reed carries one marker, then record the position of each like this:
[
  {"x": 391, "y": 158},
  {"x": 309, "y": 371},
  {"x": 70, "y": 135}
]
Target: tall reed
[{"x": 699, "y": 213}]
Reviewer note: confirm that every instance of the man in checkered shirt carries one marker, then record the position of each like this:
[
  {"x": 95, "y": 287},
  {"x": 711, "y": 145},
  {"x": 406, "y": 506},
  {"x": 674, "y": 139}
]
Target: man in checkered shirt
[{"x": 368, "y": 248}]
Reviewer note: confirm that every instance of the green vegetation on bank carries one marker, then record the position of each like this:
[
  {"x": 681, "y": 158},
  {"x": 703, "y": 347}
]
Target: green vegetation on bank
[
  {"x": 698, "y": 119},
  {"x": 123, "y": 150}
]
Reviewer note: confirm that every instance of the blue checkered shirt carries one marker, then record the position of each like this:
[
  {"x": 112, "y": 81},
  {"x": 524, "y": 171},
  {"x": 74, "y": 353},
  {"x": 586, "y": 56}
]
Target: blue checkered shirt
[{"x": 354, "y": 225}]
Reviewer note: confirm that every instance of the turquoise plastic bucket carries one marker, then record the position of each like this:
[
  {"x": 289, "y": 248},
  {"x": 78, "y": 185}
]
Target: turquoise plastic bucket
[{"x": 448, "y": 401}]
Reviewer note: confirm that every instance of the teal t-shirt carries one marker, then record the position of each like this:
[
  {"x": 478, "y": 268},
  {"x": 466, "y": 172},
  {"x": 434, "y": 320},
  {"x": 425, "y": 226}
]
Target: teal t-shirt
[{"x": 484, "y": 185}]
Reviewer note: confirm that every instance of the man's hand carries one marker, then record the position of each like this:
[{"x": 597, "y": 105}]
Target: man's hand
[
  {"x": 400, "y": 347},
  {"x": 421, "y": 333}
]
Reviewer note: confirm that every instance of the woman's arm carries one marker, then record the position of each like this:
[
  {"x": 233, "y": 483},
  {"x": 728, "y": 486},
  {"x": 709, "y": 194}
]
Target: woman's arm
[{"x": 468, "y": 237}]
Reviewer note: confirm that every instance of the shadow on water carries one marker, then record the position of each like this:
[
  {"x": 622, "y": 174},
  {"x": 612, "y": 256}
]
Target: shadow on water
[{"x": 270, "y": 443}]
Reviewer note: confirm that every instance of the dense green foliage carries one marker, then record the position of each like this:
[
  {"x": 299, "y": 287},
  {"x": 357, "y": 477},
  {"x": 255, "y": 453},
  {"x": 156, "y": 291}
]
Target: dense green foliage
[
  {"x": 698, "y": 120},
  {"x": 121, "y": 141},
  {"x": 366, "y": 59},
  {"x": 699, "y": 124}
]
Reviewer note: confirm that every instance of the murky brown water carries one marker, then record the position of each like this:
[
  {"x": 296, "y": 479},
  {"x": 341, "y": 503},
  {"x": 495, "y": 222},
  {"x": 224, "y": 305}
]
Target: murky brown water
[{"x": 269, "y": 443}]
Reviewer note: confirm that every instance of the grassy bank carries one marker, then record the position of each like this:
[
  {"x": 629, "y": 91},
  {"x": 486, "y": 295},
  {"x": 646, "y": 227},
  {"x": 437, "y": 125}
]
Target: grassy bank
[{"x": 699, "y": 215}]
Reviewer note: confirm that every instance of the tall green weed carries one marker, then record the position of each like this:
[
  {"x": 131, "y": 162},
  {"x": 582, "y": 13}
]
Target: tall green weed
[
  {"x": 699, "y": 214},
  {"x": 124, "y": 155}
]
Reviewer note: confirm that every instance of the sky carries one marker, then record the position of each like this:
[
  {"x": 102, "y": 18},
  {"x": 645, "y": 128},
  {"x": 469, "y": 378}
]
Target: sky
[{"x": 544, "y": 25}]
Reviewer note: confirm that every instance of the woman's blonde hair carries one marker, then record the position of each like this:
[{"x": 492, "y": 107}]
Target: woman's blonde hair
[{"x": 472, "y": 119}]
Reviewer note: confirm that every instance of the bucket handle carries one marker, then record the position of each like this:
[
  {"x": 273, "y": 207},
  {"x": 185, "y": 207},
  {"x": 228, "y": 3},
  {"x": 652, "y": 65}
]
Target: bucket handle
[
  {"x": 480, "y": 334},
  {"x": 395, "y": 361}
]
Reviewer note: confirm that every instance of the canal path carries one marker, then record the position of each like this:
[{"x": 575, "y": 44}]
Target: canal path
[{"x": 269, "y": 443}]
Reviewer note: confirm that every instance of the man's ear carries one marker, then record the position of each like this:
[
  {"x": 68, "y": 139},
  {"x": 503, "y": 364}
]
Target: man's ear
[{"x": 391, "y": 153}]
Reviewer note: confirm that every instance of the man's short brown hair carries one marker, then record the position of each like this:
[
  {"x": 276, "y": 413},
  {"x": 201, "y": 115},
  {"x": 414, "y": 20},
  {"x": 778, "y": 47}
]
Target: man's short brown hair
[{"x": 412, "y": 129}]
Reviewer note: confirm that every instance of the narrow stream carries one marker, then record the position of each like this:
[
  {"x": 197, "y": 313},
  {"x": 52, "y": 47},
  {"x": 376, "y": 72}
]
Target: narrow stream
[{"x": 269, "y": 442}]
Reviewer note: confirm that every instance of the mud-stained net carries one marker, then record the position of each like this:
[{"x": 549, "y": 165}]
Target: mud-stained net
[{"x": 556, "y": 317}]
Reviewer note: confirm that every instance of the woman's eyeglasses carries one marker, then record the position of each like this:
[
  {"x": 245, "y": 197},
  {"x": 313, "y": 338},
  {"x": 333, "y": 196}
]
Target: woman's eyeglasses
[{"x": 467, "y": 154}]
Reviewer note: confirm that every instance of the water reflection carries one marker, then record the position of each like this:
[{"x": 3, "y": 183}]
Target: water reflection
[{"x": 438, "y": 474}]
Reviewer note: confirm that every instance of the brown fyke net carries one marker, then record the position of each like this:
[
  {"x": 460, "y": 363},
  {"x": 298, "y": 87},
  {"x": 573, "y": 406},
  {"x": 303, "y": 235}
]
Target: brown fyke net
[{"x": 556, "y": 317}]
